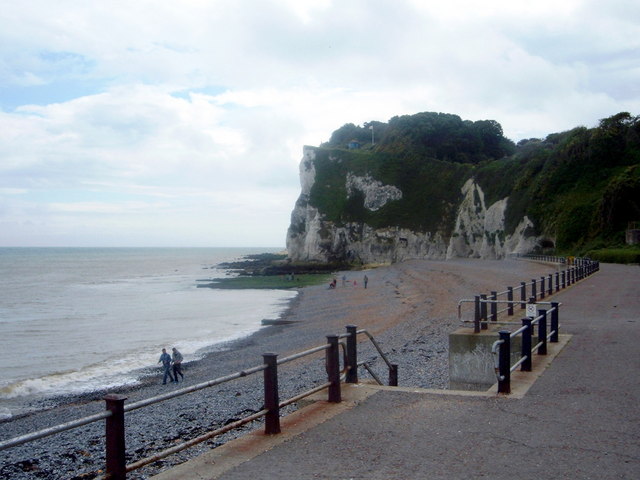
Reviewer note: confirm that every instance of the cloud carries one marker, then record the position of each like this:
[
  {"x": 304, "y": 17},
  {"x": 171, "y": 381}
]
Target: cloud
[{"x": 122, "y": 118}]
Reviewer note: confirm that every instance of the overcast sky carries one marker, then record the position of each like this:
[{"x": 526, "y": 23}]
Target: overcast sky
[{"x": 181, "y": 123}]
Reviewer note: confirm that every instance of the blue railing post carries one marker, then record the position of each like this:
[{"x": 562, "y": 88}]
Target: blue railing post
[
  {"x": 115, "y": 439},
  {"x": 526, "y": 345},
  {"x": 510, "y": 300},
  {"x": 542, "y": 289},
  {"x": 564, "y": 280},
  {"x": 557, "y": 281},
  {"x": 504, "y": 363},
  {"x": 555, "y": 322},
  {"x": 352, "y": 355},
  {"x": 542, "y": 333},
  {"x": 476, "y": 315},
  {"x": 333, "y": 368},
  {"x": 550, "y": 284},
  {"x": 271, "y": 395},
  {"x": 523, "y": 295}
]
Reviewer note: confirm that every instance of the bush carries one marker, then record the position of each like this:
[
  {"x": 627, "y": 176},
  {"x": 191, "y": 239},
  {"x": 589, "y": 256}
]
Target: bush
[{"x": 616, "y": 255}]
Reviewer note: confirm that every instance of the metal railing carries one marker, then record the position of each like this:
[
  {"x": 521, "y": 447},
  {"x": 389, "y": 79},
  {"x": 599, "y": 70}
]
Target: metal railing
[
  {"x": 116, "y": 467},
  {"x": 502, "y": 348},
  {"x": 486, "y": 307}
]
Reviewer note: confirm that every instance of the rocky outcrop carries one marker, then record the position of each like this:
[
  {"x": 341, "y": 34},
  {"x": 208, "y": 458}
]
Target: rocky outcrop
[
  {"x": 478, "y": 230},
  {"x": 376, "y": 195}
]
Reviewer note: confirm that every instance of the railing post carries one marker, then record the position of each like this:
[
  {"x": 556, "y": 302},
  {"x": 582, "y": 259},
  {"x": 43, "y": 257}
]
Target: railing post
[
  {"x": 510, "y": 300},
  {"x": 542, "y": 289},
  {"x": 523, "y": 295},
  {"x": 494, "y": 306},
  {"x": 476, "y": 315},
  {"x": 393, "y": 375},
  {"x": 333, "y": 368},
  {"x": 504, "y": 363},
  {"x": 271, "y": 395},
  {"x": 483, "y": 312},
  {"x": 534, "y": 293},
  {"x": 542, "y": 333},
  {"x": 533, "y": 327},
  {"x": 564, "y": 279},
  {"x": 526, "y": 345},
  {"x": 557, "y": 281},
  {"x": 555, "y": 323},
  {"x": 352, "y": 355},
  {"x": 115, "y": 441},
  {"x": 550, "y": 284}
]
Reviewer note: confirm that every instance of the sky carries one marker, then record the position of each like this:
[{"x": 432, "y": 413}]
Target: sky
[{"x": 182, "y": 123}]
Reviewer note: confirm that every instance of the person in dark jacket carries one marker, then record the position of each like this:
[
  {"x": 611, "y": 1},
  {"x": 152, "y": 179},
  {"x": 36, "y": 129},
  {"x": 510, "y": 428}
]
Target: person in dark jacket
[
  {"x": 177, "y": 364},
  {"x": 165, "y": 359}
]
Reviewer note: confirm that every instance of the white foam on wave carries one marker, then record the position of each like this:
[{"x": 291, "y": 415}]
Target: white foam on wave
[{"x": 113, "y": 373}]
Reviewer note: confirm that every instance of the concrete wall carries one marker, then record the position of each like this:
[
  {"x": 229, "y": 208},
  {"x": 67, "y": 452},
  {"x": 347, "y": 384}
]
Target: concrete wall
[{"x": 471, "y": 363}]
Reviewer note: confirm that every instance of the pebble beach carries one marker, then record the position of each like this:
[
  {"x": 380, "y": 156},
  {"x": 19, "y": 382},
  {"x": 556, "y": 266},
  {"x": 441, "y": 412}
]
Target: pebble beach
[{"x": 409, "y": 307}]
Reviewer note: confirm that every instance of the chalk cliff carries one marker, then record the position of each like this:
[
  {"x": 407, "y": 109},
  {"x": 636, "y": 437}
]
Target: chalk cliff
[{"x": 354, "y": 232}]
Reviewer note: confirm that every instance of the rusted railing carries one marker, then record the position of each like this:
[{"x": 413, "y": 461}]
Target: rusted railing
[
  {"x": 116, "y": 467},
  {"x": 486, "y": 307}
]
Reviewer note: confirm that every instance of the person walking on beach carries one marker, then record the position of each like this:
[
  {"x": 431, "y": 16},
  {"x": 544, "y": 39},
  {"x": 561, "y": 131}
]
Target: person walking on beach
[
  {"x": 165, "y": 359},
  {"x": 177, "y": 364},
  {"x": 366, "y": 280}
]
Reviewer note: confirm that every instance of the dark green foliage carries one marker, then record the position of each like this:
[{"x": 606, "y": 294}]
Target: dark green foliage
[
  {"x": 620, "y": 202},
  {"x": 430, "y": 135},
  {"x": 430, "y": 189},
  {"x": 580, "y": 187},
  {"x": 616, "y": 255}
]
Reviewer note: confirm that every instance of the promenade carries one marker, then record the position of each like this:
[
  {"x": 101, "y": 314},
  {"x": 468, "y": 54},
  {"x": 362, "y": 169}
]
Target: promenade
[{"x": 576, "y": 416}]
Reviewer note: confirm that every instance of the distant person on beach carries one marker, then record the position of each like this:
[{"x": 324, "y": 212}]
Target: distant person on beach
[
  {"x": 165, "y": 359},
  {"x": 344, "y": 280},
  {"x": 177, "y": 364},
  {"x": 366, "y": 280}
]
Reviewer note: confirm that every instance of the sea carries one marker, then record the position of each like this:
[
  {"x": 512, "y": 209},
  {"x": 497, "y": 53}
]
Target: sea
[{"x": 75, "y": 320}]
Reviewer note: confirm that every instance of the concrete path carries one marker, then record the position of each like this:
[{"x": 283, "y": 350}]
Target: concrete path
[{"x": 577, "y": 416}]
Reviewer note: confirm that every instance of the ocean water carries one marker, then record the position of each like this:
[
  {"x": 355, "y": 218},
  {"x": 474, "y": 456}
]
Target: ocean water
[{"x": 79, "y": 319}]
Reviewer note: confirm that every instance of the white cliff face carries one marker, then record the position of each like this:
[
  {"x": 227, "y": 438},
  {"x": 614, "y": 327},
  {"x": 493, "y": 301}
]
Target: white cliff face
[
  {"x": 303, "y": 237},
  {"x": 376, "y": 195},
  {"x": 479, "y": 230},
  {"x": 307, "y": 170}
]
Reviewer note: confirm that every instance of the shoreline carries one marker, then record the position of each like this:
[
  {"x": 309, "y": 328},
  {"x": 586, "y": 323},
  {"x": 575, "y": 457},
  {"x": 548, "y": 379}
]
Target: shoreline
[
  {"x": 409, "y": 307},
  {"x": 148, "y": 377}
]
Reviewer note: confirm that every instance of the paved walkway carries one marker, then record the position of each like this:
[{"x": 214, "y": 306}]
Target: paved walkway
[{"x": 576, "y": 417}]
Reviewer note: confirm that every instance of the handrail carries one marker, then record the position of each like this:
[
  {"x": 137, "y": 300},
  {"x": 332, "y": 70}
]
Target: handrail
[
  {"x": 501, "y": 349},
  {"x": 579, "y": 268},
  {"x": 117, "y": 469},
  {"x": 194, "y": 388},
  {"x": 46, "y": 432},
  {"x": 375, "y": 344}
]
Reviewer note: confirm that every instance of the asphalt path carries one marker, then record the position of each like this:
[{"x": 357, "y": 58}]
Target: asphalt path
[{"x": 579, "y": 418}]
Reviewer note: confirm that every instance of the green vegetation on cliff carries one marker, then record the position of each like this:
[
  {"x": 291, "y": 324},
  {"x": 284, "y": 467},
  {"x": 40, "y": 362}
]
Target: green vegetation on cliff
[{"x": 580, "y": 187}]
